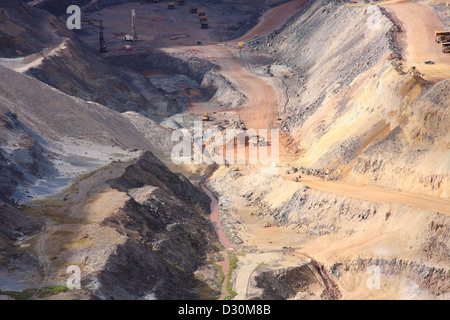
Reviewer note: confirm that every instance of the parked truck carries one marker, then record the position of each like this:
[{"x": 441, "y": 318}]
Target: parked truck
[
  {"x": 446, "y": 47},
  {"x": 442, "y": 36}
]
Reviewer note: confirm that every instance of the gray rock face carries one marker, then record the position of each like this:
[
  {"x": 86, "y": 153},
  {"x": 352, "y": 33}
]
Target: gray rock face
[{"x": 169, "y": 236}]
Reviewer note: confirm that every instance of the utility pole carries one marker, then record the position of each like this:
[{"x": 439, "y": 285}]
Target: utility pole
[{"x": 102, "y": 39}]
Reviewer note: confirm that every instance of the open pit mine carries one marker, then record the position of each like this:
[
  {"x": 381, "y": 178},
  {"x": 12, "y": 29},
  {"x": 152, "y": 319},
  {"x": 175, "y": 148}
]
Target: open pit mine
[{"x": 224, "y": 150}]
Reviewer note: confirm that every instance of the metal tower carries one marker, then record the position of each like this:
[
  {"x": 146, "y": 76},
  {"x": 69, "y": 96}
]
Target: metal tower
[
  {"x": 133, "y": 36},
  {"x": 102, "y": 40}
]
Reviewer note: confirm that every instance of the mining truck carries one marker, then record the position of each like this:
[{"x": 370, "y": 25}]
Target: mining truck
[
  {"x": 180, "y": 2},
  {"x": 193, "y": 9},
  {"x": 203, "y": 18},
  {"x": 204, "y": 24},
  {"x": 201, "y": 13},
  {"x": 442, "y": 36},
  {"x": 446, "y": 47},
  {"x": 205, "y": 117},
  {"x": 171, "y": 5}
]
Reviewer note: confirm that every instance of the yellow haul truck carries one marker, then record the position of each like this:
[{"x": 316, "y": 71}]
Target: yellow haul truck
[
  {"x": 446, "y": 47},
  {"x": 171, "y": 5},
  {"x": 201, "y": 13},
  {"x": 442, "y": 36}
]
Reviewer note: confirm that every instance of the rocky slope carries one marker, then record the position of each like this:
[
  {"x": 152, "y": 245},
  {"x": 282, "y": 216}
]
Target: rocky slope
[
  {"x": 169, "y": 237},
  {"x": 21, "y": 30},
  {"x": 56, "y": 57}
]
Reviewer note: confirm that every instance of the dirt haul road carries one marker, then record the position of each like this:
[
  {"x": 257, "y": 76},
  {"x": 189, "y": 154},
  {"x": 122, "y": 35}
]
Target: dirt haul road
[
  {"x": 379, "y": 194},
  {"x": 420, "y": 23}
]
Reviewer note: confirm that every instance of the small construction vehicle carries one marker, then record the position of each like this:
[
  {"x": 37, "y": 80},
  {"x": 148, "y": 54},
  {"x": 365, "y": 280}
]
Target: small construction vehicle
[
  {"x": 442, "y": 36},
  {"x": 205, "y": 117},
  {"x": 446, "y": 47},
  {"x": 193, "y": 9},
  {"x": 171, "y": 5},
  {"x": 414, "y": 72}
]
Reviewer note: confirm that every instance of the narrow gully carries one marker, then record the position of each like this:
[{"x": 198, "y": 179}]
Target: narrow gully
[{"x": 215, "y": 221}]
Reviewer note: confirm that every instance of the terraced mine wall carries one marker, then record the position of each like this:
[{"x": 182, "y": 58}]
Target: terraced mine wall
[{"x": 352, "y": 76}]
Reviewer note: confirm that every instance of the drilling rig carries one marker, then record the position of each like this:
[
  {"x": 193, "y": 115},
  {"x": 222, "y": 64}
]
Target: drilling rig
[
  {"x": 133, "y": 36},
  {"x": 102, "y": 40}
]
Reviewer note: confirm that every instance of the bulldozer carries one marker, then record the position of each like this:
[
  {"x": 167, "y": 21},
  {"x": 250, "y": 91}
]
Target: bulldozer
[
  {"x": 205, "y": 117},
  {"x": 442, "y": 36},
  {"x": 171, "y": 5},
  {"x": 446, "y": 47}
]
